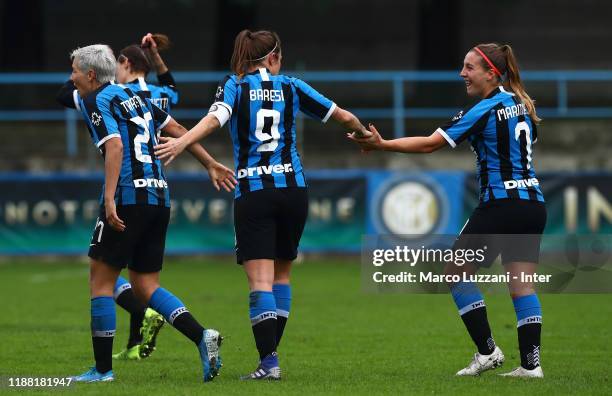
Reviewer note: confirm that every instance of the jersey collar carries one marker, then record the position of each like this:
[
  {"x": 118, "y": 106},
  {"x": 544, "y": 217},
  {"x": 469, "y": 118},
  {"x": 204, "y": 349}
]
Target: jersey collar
[{"x": 497, "y": 90}]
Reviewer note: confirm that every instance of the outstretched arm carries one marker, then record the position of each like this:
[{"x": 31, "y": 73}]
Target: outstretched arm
[
  {"x": 220, "y": 175},
  {"x": 171, "y": 148},
  {"x": 414, "y": 144},
  {"x": 350, "y": 122}
]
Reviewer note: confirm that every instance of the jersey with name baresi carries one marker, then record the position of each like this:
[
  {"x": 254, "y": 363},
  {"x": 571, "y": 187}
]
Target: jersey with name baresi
[{"x": 261, "y": 109}]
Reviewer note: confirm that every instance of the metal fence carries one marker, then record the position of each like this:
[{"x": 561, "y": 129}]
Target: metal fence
[{"x": 398, "y": 112}]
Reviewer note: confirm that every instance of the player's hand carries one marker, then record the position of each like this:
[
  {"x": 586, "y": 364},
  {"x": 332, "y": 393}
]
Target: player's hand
[
  {"x": 170, "y": 148},
  {"x": 368, "y": 143},
  {"x": 222, "y": 176},
  {"x": 111, "y": 216},
  {"x": 148, "y": 43}
]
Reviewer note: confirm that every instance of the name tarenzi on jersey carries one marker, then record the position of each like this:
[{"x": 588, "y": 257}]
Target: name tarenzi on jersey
[
  {"x": 132, "y": 103},
  {"x": 273, "y": 95},
  {"x": 512, "y": 111}
]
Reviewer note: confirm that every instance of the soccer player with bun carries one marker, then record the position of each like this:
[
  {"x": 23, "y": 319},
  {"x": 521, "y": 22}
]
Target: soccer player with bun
[
  {"x": 501, "y": 128},
  {"x": 271, "y": 202},
  {"x": 134, "y": 210},
  {"x": 133, "y": 65}
]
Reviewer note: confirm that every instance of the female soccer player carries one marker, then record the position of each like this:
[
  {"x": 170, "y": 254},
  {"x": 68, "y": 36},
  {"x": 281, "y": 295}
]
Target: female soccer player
[
  {"x": 271, "y": 202},
  {"x": 501, "y": 128},
  {"x": 135, "y": 209},
  {"x": 133, "y": 65}
]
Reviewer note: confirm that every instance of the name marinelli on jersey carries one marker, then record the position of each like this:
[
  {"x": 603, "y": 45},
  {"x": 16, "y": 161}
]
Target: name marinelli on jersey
[
  {"x": 264, "y": 169},
  {"x": 512, "y": 111},
  {"x": 273, "y": 95},
  {"x": 524, "y": 183},
  {"x": 132, "y": 103}
]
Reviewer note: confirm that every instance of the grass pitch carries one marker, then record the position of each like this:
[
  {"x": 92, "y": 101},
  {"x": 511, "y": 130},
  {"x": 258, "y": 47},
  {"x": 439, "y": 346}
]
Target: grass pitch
[{"x": 338, "y": 339}]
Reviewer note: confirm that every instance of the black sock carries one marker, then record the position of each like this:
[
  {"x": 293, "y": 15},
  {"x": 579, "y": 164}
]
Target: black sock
[
  {"x": 135, "y": 326},
  {"x": 265, "y": 336},
  {"x": 281, "y": 321},
  {"x": 103, "y": 349},
  {"x": 186, "y": 324},
  {"x": 128, "y": 301},
  {"x": 529, "y": 345},
  {"x": 477, "y": 325}
]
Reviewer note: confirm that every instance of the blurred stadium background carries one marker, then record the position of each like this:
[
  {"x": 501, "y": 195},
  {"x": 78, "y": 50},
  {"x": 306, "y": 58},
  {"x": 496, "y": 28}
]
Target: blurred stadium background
[{"x": 393, "y": 63}]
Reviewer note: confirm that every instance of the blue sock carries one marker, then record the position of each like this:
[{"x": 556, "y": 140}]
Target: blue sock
[
  {"x": 167, "y": 304},
  {"x": 282, "y": 296},
  {"x": 176, "y": 314},
  {"x": 471, "y": 306},
  {"x": 529, "y": 327},
  {"x": 262, "y": 311},
  {"x": 103, "y": 325},
  {"x": 121, "y": 285}
]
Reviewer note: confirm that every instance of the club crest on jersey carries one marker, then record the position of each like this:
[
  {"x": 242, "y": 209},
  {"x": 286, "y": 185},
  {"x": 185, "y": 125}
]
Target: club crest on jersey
[
  {"x": 458, "y": 116},
  {"x": 96, "y": 118}
]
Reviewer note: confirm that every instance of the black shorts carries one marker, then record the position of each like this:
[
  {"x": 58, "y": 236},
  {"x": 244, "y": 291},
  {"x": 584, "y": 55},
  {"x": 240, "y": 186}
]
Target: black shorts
[
  {"x": 269, "y": 223},
  {"x": 510, "y": 227},
  {"x": 140, "y": 247}
]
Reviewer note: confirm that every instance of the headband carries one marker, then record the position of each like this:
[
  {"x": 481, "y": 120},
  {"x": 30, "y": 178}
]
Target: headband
[
  {"x": 263, "y": 57},
  {"x": 495, "y": 69}
]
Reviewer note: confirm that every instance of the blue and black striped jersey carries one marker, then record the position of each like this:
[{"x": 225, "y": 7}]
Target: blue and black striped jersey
[
  {"x": 501, "y": 133},
  {"x": 163, "y": 96},
  {"x": 116, "y": 111},
  {"x": 262, "y": 109}
]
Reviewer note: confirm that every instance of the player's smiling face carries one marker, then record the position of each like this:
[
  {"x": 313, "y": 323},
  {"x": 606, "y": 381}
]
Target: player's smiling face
[
  {"x": 478, "y": 80},
  {"x": 82, "y": 81}
]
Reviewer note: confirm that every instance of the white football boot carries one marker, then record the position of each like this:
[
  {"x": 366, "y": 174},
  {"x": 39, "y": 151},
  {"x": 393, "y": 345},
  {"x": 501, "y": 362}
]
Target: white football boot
[
  {"x": 482, "y": 363},
  {"x": 524, "y": 373}
]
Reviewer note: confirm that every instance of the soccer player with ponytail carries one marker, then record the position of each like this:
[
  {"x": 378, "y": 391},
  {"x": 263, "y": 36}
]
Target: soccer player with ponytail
[
  {"x": 501, "y": 127},
  {"x": 271, "y": 202}
]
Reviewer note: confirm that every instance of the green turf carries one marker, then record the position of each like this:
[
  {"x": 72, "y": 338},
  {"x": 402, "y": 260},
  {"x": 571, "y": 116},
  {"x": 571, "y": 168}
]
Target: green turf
[{"x": 338, "y": 340}]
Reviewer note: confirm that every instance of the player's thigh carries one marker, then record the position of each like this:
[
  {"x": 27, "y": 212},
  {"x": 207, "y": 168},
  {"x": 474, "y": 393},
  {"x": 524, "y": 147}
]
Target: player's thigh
[
  {"x": 290, "y": 222},
  {"x": 255, "y": 225},
  {"x": 524, "y": 224},
  {"x": 477, "y": 236},
  {"x": 150, "y": 244}
]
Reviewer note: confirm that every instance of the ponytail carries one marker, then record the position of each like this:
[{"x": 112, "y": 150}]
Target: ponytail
[
  {"x": 501, "y": 59},
  {"x": 514, "y": 83},
  {"x": 162, "y": 41},
  {"x": 250, "y": 48}
]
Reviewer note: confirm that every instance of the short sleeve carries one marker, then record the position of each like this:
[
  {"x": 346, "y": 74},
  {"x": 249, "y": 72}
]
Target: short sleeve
[
  {"x": 160, "y": 117},
  {"x": 172, "y": 93},
  {"x": 100, "y": 119},
  {"x": 312, "y": 103},
  {"x": 465, "y": 123},
  {"x": 224, "y": 100}
]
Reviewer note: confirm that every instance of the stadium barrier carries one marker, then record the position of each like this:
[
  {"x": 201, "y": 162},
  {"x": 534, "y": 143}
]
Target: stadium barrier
[
  {"x": 55, "y": 214},
  {"x": 397, "y": 80}
]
